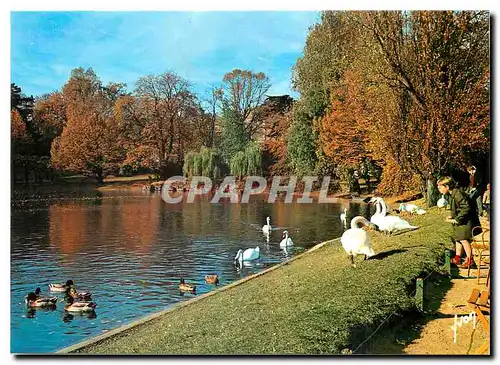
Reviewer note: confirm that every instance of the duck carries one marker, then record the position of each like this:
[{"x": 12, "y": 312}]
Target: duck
[
  {"x": 248, "y": 255},
  {"x": 35, "y": 300},
  {"x": 286, "y": 241},
  {"x": 266, "y": 229},
  {"x": 212, "y": 279},
  {"x": 80, "y": 307},
  {"x": 389, "y": 223},
  {"x": 183, "y": 286},
  {"x": 343, "y": 217},
  {"x": 78, "y": 296},
  {"x": 60, "y": 287},
  {"x": 356, "y": 240}
]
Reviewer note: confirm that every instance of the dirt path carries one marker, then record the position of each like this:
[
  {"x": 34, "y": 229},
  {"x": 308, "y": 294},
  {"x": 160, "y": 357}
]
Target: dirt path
[{"x": 433, "y": 333}]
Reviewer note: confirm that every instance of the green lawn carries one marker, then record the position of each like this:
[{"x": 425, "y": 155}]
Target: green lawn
[{"x": 318, "y": 304}]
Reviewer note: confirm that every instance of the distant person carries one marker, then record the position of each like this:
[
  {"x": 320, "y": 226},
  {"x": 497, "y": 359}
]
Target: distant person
[
  {"x": 463, "y": 217},
  {"x": 474, "y": 188},
  {"x": 486, "y": 200}
]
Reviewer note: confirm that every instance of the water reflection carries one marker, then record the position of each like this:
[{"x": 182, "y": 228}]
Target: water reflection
[{"x": 131, "y": 251}]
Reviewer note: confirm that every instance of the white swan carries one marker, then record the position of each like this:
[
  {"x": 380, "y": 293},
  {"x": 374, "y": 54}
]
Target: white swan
[
  {"x": 248, "y": 255},
  {"x": 411, "y": 208},
  {"x": 356, "y": 241},
  {"x": 287, "y": 241},
  {"x": 390, "y": 223},
  {"x": 376, "y": 218},
  {"x": 343, "y": 217},
  {"x": 266, "y": 229}
]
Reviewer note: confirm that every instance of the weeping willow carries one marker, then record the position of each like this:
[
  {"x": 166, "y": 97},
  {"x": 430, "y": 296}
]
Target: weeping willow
[
  {"x": 247, "y": 162},
  {"x": 206, "y": 162}
]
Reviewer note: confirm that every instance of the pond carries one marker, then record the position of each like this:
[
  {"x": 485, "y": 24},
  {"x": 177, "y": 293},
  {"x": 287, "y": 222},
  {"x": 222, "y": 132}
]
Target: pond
[{"x": 130, "y": 249}]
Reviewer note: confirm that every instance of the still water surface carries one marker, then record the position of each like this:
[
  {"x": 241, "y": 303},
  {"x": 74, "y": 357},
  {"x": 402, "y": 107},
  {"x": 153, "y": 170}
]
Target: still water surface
[{"x": 131, "y": 249}]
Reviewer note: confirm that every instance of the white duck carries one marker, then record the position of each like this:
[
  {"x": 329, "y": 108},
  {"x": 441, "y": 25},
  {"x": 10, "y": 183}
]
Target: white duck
[
  {"x": 390, "y": 223},
  {"x": 266, "y": 229},
  {"x": 286, "y": 241},
  {"x": 356, "y": 240},
  {"x": 343, "y": 218},
  {"x": 248, "y": 255}
]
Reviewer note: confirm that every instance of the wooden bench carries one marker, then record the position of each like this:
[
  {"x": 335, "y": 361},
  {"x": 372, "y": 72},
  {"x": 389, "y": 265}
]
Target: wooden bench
[{"x": 479, "y": 301}]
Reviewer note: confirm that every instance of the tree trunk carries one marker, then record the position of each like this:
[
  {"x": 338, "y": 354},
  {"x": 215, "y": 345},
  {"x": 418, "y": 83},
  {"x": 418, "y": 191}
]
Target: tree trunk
[
  {"x": 99, "y": 176},
  {"x": 432, "y": 192}
]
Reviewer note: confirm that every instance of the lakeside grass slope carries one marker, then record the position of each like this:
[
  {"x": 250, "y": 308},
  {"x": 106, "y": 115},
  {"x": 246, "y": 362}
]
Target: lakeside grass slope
[{"x": 318, "y": 304}]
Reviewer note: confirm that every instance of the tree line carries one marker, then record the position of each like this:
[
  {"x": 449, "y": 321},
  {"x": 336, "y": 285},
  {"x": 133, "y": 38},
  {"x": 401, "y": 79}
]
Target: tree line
[{"x": 398, "y": 95}]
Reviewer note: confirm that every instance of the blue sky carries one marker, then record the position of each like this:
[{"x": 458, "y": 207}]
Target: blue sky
[{"x": 123, "y": 46}]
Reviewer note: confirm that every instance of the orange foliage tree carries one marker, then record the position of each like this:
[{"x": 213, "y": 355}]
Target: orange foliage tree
[
  {"x": 343, "y": 131},
  {"x": 431, "y": 100},
  {"x": 88, "y": 143}
]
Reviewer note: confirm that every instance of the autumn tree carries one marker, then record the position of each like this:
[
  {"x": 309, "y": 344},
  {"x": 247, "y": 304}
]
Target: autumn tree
[
  {"x": 49, "y": 119},
  {"x": 161, "y": 120},
  {"x": 437, "y": 65},
  {"x": 343, "y": 131},
  {"x": 277, "y": 119},
  {"x": 88, "y": 143}
]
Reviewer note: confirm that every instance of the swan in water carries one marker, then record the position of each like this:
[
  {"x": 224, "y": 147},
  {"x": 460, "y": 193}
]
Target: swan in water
[
  {"x": 343, "y": 218},
  {"x": 286, "y": 241},
  {"x": 266, "y": 229},
  {"x": 389, "y": 223},
  {"x": 248, "y": 255},
  {"x": 356, "y": 240}
]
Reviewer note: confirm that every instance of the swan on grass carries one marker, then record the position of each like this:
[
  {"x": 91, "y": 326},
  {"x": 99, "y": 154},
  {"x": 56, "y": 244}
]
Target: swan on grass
[
  {"x": 266, "y": 229},
  {"x": 343, "y": 218},
  {"x": 356, "y": 240},
  {"x": 248, "y": 255},
  {"x": 411, "y": 208},
  {"x": 388, "y": 223},
  {"x": 377, "y": 217},
  {"x": 286, "y": 241}
]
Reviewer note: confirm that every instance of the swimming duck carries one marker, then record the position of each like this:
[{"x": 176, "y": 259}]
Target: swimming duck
[
  {"x": 183, "y": 286},
  {"x": 33, "y": 300},
  {"x": 60, "y": 287},
  {"x": 78, "y": 296},
  {"x": 80, "y": 307},
  {"x": 212, "y": 279}
]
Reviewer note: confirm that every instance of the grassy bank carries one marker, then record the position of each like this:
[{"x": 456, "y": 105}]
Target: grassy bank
[{"x": 318, "y": 304}]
